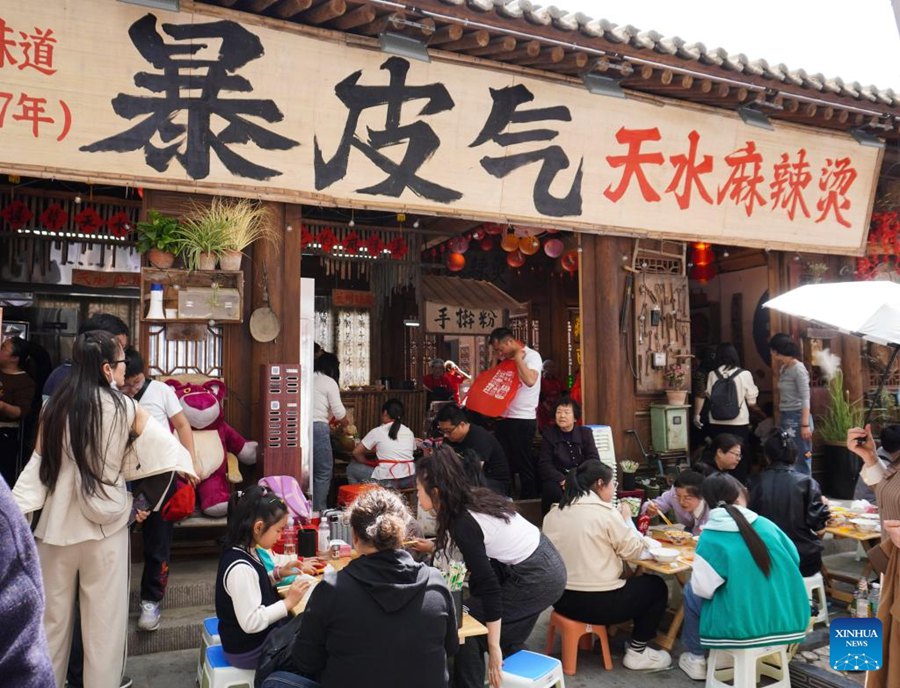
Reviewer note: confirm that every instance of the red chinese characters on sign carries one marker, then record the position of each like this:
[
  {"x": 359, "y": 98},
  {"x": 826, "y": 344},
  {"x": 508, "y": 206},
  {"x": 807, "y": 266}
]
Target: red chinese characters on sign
[
  {"x": 744, "y": 187},
  {"x": 34, "y": 51}
]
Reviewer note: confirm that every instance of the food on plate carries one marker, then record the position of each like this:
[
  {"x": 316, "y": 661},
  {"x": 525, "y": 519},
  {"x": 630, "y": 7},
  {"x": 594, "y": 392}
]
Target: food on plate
[{"x": 677, "y": 537}]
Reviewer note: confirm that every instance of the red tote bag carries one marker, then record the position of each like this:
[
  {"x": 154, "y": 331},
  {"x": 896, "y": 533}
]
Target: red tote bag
[{"x": 493, "y": 390}]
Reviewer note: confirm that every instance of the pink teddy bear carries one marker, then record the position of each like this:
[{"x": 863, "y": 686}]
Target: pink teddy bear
[{"x": 213, "y": 440}]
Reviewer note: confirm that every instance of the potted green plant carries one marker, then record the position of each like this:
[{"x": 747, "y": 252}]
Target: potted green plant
[
  {"x": 202, "y": 236},
  {"x": 675, "y": 376},
  {"x": 629, "y": 468},
  {"x": 157, "y": 236},
  {"x": 841, "y": 465},
  {"x": 245, "y": 222}
]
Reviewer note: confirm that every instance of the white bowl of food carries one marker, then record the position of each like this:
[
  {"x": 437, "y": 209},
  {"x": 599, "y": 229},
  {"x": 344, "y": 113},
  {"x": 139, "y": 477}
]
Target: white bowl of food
[
  {"x": 664, "y": 555},
  {"x": 866, "y": 525}
]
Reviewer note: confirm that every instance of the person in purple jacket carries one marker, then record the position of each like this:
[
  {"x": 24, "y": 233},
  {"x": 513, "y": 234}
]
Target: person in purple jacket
[
  {"x": 25, "y": 659},
  {"x": 683, "y": 499}
]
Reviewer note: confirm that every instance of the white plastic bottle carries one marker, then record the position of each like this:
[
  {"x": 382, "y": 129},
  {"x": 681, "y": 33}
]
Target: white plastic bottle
[{"x": 324, "y": 536}]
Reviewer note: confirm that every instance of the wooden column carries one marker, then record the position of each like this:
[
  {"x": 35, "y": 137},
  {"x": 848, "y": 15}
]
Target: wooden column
[{"x": 608, "y": 398}]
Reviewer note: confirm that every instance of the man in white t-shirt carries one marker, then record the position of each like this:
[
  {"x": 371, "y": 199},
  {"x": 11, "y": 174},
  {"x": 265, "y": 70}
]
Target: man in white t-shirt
[
  {"x": 516, "y": 429},
  {"x": 161, "y": 402}
]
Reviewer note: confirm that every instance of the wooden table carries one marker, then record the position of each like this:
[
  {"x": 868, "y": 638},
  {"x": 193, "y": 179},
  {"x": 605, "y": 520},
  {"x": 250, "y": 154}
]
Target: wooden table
[
  {"x": 867, "y": 539},
  {"x": 680, "y": 568},
  {"x": 470, "y": 628}
]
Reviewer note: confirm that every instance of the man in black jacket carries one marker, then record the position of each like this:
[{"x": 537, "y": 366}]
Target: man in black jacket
[{"x": 461, "y": 435}]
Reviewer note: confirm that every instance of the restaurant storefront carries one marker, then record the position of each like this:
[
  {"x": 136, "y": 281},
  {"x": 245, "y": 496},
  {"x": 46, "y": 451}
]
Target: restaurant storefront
[{"x": 211, "y": 101}]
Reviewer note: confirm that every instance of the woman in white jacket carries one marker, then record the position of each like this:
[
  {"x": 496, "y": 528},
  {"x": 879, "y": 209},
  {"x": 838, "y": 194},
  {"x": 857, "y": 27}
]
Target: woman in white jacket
[{"x": 77, "y": 476}]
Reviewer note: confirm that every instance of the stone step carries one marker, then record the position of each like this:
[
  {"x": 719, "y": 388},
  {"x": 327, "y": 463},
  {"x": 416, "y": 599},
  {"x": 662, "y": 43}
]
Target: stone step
[
  {"x": 179, "y": 629},
  {"x": 192, "y": 582}
]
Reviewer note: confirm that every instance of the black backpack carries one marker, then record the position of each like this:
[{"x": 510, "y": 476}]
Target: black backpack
[{"x": 723, "y": 399}]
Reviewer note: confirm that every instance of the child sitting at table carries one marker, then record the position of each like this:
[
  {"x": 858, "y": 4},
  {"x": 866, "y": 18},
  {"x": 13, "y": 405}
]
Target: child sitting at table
[
  {"x": 684, "y": 500},
  {"x": 745, "y": 579},
  {"x": 247, "y": 603}
]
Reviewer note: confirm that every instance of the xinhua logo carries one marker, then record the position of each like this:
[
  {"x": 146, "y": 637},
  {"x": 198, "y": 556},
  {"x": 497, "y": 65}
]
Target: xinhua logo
[{"x": 856, "y": 644}]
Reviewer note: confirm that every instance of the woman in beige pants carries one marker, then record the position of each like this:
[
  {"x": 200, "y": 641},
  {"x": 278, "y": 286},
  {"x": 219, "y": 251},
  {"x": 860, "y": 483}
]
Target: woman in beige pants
[{"x": 77, "y": 476}]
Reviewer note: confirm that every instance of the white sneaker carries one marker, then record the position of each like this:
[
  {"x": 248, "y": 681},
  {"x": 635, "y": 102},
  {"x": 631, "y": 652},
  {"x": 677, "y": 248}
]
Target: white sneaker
[
  {"x": 693, "y": 665},
  {"x": 149, "y": 620},
  {"x": 648, "y": 660}
]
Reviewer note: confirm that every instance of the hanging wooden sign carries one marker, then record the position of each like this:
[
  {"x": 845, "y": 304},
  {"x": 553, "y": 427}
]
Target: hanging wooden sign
[{"x": 195, "y": 100}]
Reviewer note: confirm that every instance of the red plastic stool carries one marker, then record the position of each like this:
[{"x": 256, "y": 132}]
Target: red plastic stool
[
  {"x": 347, "y": 494},
  {"x": 572, "y": 638}
]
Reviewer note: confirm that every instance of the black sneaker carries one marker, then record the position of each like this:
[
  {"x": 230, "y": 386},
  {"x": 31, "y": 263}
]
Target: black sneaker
[{"x": 126, "y": 682}]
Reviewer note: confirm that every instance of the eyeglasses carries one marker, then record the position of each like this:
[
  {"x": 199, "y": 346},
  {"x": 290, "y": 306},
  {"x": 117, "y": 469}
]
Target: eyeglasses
[
  {"x": 115, "y": 363},
  {"x": 447, "y": 432},
  {"x": 734, "y": 453}
]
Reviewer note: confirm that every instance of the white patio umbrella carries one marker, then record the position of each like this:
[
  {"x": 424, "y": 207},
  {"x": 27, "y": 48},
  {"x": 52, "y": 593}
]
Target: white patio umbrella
[{"x": 870, "y": 310}]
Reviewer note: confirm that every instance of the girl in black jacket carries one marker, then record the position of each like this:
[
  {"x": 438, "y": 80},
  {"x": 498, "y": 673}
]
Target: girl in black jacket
[{"x": 792, "y": 500}]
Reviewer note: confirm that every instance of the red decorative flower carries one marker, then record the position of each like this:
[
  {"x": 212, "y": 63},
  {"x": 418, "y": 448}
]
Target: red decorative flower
[
  {"x": 398, "y": 248},
  {"x": 88, "y": 221},
  {"x": 326, "y": 239},
  {"x": 374, "y": 244},
  {"x": 352, "y": 243},
  {"x": 306, "y": 237},
  {"x": 54, "y": 217},
  {"x": 119, "y": 224},
  {"x": 17, "y": 214}
]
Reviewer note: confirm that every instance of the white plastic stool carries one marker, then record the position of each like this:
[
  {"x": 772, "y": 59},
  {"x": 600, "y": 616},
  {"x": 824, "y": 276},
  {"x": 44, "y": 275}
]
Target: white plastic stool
[
  {"x": 218, "y": 673},
  {"x": 815, "y": 585},
  {"x": 209, "y": 635},
  {"x": 750, "y": 665},
  {"x": 532, "y": 670}
]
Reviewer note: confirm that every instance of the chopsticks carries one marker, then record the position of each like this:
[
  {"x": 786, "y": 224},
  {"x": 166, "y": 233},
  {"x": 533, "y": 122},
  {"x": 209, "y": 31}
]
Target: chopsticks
[{"x": 663, "y": 517}]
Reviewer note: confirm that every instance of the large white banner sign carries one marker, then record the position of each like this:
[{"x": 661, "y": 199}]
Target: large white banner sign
[{"x": 224, "y": 102}]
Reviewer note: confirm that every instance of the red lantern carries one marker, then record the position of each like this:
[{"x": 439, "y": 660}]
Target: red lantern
[
  {"x": 515, "y": 259},
  {"x": 510, "y": 242},
  {"x": 487, "y": 244},
  {"x": 701, "y": 254},
  {"x": 569, "y": 260},
  {"x": 703, "y": 273},
  {"x": 478, "y": 234},
  {"x": 554, "y": 247},
  {"x": 492, "y": 228},
  {"x": 455, "y": 262},
  {"x": 459, "y": 244},
  {"x": 529, "y": 245}
]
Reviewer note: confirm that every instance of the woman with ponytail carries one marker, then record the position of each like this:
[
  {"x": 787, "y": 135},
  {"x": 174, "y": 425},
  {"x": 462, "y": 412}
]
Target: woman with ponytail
[
  {"x": 393, "y": 445},
  {"x": 792, "y": 500},
  {"x": 746, "y": 589},
  {"x": 594, "y": 539}
]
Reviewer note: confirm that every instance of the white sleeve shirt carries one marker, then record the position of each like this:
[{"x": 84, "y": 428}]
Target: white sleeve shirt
[
  {"x": 326, "y": 399},
  {"x": 161, "y": 402},
  {"x": 242, "y": 585},
  {"x": 524, "y": 404}
]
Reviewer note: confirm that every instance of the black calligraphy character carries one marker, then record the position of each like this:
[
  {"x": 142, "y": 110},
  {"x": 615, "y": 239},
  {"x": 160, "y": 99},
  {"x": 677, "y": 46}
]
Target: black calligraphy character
[
  {"x": 420, "y": 138},
  {"x": 465, "y": 318},
  {"x": 503, "y": 113},
  {"x": 192, "y": 85},
  {"x": 486, "y": 319},
  {"x": 442, "y": 318}
]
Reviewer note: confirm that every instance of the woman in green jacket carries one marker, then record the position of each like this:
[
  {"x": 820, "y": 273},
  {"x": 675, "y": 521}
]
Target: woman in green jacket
[{"x": 746, "y": 589}]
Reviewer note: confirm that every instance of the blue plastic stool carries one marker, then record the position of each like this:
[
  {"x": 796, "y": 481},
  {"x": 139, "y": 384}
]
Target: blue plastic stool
[
  {"x": 218, "y": 673},
  {"x": 209, "y": 636},
  {"x": 532, "y": 670}
]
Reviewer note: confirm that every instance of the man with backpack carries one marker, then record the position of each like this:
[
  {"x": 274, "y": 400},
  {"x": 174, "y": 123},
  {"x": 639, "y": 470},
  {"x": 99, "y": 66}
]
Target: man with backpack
[{"x": 730, "y": 396}]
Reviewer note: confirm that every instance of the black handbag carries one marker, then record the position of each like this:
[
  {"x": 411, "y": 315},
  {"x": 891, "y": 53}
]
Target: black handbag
[{"x": 276, "y": 651}]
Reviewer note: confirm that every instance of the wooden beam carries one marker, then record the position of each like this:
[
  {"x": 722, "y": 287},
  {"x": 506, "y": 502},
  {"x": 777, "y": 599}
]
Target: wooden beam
[
  {"x": 473, "y": 39},
  {"x": 547, "y": 56},
  {"x": 446, "y": 34},
  {"x": 573, "y": 62},
  {"x": 290, "y": 8},
  {"x": 364, "y": 14},
  {"x": 386, "y": 22},
  {"x": 498, "y": 46},
  {"x": 325, "y": 11},
  {"x": 528, "y": 50},
  {"x": 260, "y": 5}
]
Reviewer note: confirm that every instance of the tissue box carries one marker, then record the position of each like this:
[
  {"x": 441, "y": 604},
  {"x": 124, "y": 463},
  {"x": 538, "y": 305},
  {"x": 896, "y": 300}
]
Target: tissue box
[{"x": 209, "y": 303}]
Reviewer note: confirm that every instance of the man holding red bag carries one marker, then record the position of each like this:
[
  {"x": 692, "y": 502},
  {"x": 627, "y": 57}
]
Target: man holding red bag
[{"x": 517, "y": 425}]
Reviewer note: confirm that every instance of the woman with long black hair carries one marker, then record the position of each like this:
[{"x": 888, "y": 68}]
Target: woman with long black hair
[
  {"x": 16, "y": 395},
  {"x": 393, "y": 445},
  {"x": 515, "y": 571},
  {"x": 742, "y": 558},
  {"x": 89, "y": 439},
  {"x": 594, "y": 539}
]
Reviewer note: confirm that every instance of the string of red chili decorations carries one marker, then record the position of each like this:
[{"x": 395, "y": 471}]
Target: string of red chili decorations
[
  {"x": 519, "y": 243},
  {"x": 352, "y": 244},
  {"x": 882, "y": 246},
  {"x": 17, "y": 215}
]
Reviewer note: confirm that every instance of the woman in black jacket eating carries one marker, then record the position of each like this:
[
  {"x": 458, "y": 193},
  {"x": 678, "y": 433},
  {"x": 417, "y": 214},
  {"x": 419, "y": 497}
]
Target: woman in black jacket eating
[
  {"x": 564, "y": 446},
  {"x": 792, "y": 500},
  {"x": 515, "y": 572}
]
